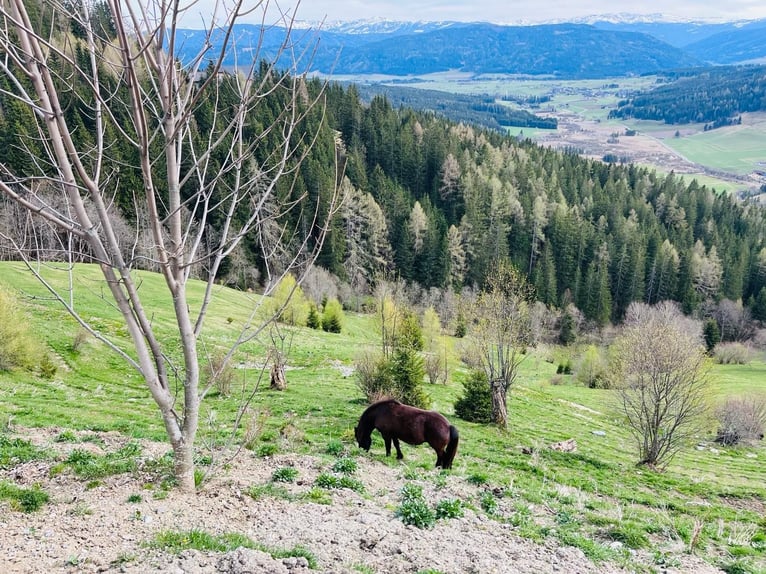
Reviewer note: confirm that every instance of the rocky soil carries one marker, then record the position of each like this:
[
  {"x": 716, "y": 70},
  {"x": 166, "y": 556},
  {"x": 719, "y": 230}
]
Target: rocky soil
[{"x": 87, "y": 528}]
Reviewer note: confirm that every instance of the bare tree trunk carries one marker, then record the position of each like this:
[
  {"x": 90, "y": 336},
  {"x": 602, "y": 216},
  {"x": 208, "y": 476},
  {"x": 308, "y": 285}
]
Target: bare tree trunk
[
  {"x": 278, "y": 381},
  {"x": 499, "y": 405},
  {"x": 158, "y": 93}
]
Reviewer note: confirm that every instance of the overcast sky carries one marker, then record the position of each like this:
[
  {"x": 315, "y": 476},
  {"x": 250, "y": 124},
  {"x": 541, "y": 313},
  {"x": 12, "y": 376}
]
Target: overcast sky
[{"x": 515, "y": 11}]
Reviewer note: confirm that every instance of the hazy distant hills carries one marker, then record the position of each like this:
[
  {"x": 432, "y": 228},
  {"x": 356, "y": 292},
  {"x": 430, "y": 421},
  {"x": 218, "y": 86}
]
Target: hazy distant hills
[
  {"x": 595, "y": 50},
  {"x": 733, "y": 47},
  {"x": 715, "y": 43}
]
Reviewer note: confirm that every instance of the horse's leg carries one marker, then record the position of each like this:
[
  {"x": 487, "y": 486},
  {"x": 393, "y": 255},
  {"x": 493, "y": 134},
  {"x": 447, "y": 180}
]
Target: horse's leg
[
  {"x": 399, "y": 454},
  {"x": 387, "y": 440},
  {"x": 439, "y": 457}
]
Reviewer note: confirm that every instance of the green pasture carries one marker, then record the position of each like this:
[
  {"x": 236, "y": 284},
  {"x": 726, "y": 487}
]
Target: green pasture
[
  {"x": 737, "y": 149},
  {"x": 701, "y": 503}
]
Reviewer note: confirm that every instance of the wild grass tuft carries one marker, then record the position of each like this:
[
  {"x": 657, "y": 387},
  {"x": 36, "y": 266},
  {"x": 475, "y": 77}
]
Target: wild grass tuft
[
  {"x": 23, "y": 499},
  {"x": 15, "y": 451},
  {"x": 178, "y": 541},
  {"x": 87, "y": 465}
]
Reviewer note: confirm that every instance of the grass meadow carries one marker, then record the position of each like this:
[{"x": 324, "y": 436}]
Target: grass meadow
[{"x": 709, "y": 501}]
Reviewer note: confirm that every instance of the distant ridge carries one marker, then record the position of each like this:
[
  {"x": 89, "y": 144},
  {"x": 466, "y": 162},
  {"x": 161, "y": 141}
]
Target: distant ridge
[{"x": 618, "y": 45}]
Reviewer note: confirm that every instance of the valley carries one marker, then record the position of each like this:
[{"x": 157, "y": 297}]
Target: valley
[{"x": 728, "y": 159}]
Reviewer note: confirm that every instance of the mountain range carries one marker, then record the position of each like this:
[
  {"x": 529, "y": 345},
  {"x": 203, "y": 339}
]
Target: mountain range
[{"x": 598, "y": 48}]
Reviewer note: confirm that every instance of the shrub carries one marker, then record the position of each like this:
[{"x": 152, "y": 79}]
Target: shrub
[
  {"x": 592, "y": 369},
  {"x": 414, "y": 509},
  {"x": 731, "y": 354},
  {"x": 408, "y": 373},
  {"x": 47, "y": 367},
  {"x": 284, "y": 474},
  {"x": 460, "y": 326},
  {"x": 24, "y": 499},
  {"x": 344, "y": 465},
  {"x": 17, "y": 347},
  {"x": 332, "y": 317},
  {"x": 400, "y": 377},
  {"x": 313, "y": 321},
  {"x": 712, "y": 334},
  {"x": 449, "y": 508},
  {"x": 476, "y": 403},
  {"x": 219, "y": 372},
  {"x": 740, "y": 420},
  {"x": 335, "y": 447},
  {"x": 373, "y": 377}
]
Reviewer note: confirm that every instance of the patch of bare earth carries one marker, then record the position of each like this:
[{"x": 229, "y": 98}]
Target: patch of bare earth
[{"x": 98, "y": 530}]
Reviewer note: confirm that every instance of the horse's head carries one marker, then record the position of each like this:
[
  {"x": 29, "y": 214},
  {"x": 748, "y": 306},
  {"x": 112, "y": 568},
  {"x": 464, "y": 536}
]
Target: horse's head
[{"x": 363, "y": 441}]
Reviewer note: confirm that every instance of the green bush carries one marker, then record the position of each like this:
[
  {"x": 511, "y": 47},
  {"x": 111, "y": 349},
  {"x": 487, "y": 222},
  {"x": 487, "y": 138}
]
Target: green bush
[
  {"x": 17, "y": 347},
  {"x": 24, "y": 499},
  {"x": 332, "y": 317},
  {"x": 313, "y": 321},
  {"x": 408, "y": 373},
  {"x": 476, "y": 403},
  {"x": 449, "y": 508},
  {"x": 284, "y": 474},
  {"x": 414, "y": 509},
  {"x": 400, "y": 377},
  {"x": 344, "y": 465}
]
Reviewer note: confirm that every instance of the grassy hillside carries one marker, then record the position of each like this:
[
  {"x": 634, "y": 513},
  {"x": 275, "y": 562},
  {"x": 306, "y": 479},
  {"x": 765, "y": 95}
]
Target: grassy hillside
[{"x": 709, "y": 501}]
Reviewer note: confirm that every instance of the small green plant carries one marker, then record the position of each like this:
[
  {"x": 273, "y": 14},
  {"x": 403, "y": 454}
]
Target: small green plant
[
  {"x": 488, "y": 503},
  {"x": 332, "y": 481},
  {"x": 414, "y": 509},
  {"x": 88, "y": 465},
  {"x": 317, "y": 496},
  {"x": 285, "y": 474},
  {"x": 267, "y": 449},
  {"x": 477, "y": 478},
  {"x": 327, "y": 480},
  {"x": 335, "y": 447},
  {"x": 14, "y": 451},
  {"x": 123, "y": 558},
  {"x": 270, "y": 490},
  {"x": 176, "y": 542},
  {"x": 629, "y": 534},
  {"x": 411, "y": 473},
  {"x": 345, "y": 465},
  {"x": 47, "y": 368},
  {"x": 66, "y": 436},
  {"x": 80, "y": 510},
  {"x": 23, "y": 499},
  {"x": 449, "y": 508},
  {"x": 134, "y": 498}
]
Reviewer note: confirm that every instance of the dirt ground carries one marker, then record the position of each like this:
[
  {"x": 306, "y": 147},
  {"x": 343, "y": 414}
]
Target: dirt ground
[{"x": 98, "y": 529}]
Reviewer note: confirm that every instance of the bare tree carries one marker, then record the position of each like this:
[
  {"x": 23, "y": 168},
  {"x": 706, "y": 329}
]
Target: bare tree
[
  {"x": 500, "y": 333},
  {"x": 126, "y": 69},
  {"x": 659, "y": 366}
]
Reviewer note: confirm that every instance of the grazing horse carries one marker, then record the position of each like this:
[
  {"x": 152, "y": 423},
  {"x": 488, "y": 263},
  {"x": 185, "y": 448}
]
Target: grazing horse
[{"x": 397, "y": 421}]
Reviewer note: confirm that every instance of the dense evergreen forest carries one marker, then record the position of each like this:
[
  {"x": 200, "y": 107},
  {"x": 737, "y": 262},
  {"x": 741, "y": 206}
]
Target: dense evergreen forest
[
  {"x": 467, "y": 108},
  {"x": 440, "y": 203},
  {"x": 715, "y": 96}
]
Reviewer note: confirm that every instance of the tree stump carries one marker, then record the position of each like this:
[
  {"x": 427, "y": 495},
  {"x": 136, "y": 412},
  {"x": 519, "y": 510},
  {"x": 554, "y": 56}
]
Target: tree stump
[{"x": 278, "y": 381}]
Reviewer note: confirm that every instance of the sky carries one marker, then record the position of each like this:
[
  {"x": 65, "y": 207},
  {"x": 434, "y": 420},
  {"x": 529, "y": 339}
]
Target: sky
[{"x": 515, "y": 11}]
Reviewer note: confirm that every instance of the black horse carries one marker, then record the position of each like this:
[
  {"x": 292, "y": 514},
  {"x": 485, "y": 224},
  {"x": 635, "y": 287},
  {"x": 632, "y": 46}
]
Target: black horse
[{"x": 397, "y": 421}]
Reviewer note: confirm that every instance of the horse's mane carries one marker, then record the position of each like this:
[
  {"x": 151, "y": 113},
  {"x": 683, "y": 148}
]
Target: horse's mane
[{"x": 377, "y": 404}]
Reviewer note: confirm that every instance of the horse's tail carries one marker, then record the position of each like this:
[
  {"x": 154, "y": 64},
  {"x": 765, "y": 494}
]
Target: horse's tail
[{"x": 451, "y": 450}]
